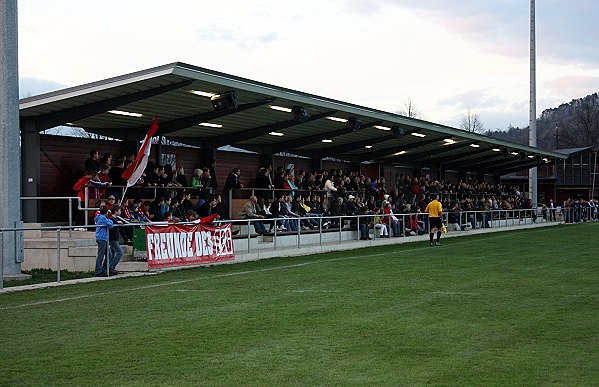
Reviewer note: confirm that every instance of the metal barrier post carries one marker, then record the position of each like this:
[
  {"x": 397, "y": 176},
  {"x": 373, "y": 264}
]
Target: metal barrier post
[
  {"x": 299, "y": 230},
  {"x": 249, "y": 237},
  {"x": 1, "y": 259},
  {"x": 70, "y": 218},
  {"x": 340, "y": 225},
  {"x": 107, "y": 255},
  {"x": 86, "y": 205},
  {"x": 230, "y": 202},
  {"x": 358, "y": 228},
  {"x": 320, "y": 229},
  {"x": 58, "y": 254},
  {"x": 274, "y": 238}
]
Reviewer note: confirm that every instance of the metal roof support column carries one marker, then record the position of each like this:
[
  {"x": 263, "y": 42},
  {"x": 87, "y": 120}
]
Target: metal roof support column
[{"x": 30, "y": 164}]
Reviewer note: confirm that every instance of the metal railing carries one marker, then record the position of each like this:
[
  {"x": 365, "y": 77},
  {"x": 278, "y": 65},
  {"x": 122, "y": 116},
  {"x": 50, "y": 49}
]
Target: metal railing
[
  {"x": 503, "y": 218},
  {"x": 69, "y": 198}
]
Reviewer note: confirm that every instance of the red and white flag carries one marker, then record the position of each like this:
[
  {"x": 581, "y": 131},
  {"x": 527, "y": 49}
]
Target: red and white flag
[{"x": 135, "y": 170}]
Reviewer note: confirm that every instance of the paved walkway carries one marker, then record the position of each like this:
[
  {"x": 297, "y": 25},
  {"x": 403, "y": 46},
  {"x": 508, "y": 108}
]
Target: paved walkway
[{"x": 13, "y": 289}]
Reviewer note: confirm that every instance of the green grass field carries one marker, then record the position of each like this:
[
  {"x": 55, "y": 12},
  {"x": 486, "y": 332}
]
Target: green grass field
[{"x": 510, "y": 308}]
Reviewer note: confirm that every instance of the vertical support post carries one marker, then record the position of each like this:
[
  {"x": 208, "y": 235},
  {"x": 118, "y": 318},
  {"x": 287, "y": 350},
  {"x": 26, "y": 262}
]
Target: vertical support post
[
  {"x": 10, "y": 146},
  {"x": 532, "y": 133},
  {"x": 58, "y": 254}
]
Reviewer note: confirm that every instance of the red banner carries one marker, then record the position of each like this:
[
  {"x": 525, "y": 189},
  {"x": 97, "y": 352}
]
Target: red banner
[{"x": 179, "y": 245}]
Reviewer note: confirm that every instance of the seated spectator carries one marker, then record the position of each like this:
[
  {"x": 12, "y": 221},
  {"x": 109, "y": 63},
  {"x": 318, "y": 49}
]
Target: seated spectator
[
  {"x": 364, "y": 225},
  {"x": 250, "y": 210},
  {"x": 395, "y": 223},
  {"x": 379, "y": 223}
]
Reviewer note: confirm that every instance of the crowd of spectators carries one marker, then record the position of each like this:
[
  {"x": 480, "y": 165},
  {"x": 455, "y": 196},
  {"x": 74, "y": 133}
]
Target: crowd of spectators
[{"x": 396, "y": 208}]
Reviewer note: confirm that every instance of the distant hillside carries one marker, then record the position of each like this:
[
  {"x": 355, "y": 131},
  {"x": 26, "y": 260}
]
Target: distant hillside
[{"x": 577, "y": 122}]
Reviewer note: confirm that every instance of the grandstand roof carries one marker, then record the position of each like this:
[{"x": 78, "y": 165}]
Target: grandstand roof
[{"x": 265, "y": 121}]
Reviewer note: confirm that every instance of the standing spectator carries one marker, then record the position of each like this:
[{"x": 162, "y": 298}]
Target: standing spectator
[
  {"x": 263, "y": 181},
  {"x": 232, "y": 182},
  {"x": 103, "y": 224},
  {"x": 104, "y": 178},
  {"x": 207, "y": 181},
  {"x": 93, "y": 162},
  {"x": 196, "y": 182},
  {"x": 115, "y": 174},
  {"x": 181, "y": 179},
  {"x": 116, "y": 251},
  {"x": 106, "y": 159},
  {"x": 212, "y": 170}
]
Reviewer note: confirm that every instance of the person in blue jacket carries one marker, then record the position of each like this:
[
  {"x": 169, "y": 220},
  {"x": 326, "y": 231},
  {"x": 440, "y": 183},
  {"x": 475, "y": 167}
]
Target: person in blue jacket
[{"x": 103, "y": 225}]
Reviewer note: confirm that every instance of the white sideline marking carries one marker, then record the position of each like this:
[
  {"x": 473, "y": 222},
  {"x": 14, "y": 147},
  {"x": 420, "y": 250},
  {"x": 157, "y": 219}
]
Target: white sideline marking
[
  {"x": 313, "y": 291},
  {"x": 193, "y": 290},
  {"x": 93, "y": 295},
  {"x": 457, "y": 293}
]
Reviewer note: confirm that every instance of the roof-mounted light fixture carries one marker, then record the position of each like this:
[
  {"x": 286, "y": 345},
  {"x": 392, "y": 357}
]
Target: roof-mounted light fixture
[
  {"x": 124, "y": 113},
  {"x": 327, "y": 140},
  {"x": 203, "y": 93},
  {"x": 403, "y": 152},
  {"x": 280, "y": 108},
  {"x": 210, "y": 125},
  {"x": 417, "y": 134},
  {"x": 474, "y": 146},
  {"x": 496, "y": 150},
  {"x": 278, "y": 134},
  {"x": 368, "y": 147},
  {"x": 449, "y": 141},
  {"x": 337, "y": 119},
  {"x": 380, "y": 127}
]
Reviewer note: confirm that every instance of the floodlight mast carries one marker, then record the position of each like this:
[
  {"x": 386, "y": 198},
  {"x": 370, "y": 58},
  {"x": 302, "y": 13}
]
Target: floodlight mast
[{"x": 532, "y": 132}]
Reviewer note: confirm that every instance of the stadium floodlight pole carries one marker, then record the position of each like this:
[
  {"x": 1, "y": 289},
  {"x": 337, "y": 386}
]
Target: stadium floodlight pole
[
  {"x": 532, "y": 132},
  {"x": 10, "y": 156}
]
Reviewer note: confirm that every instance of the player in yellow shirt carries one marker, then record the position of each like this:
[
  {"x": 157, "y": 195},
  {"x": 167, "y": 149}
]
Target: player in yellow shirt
[{"x": 435, "y": 210}]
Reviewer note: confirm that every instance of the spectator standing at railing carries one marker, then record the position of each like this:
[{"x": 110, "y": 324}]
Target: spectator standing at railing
[
  {"x": 299, "y": 179},
  {"x": 104, "y": 178},
  {"x": 103, "y": 224},
  {"x": 196, "y": 182},
  {"x": 93, "y": 162},
  {"x": 435, "y": 211},
  {"x": 115, "y": 174},
  {"x": 212, "y": 170},
  {"x": 232, "y": 183},
  {"x": 181, "y": 178},
  {"x": 207, "y": 183},
  {"x": 106, "y": 159},
  {"x": 329, "y": 187},
  {"x": 279, "y": 179},
  {"x": 552, "y": 210},
  {"x": 264, "y": 182}
]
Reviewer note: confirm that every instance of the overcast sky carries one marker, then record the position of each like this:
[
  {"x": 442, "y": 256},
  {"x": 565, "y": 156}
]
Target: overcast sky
[{"x": 444, "y": 56}]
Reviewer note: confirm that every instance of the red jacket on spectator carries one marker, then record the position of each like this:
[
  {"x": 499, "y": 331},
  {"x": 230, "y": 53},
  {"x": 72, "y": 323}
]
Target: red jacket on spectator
[{"x": 80, "y": 187}]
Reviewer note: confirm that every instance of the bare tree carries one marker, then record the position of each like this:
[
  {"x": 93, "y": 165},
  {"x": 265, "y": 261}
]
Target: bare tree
[
  {"x": 471, "y": 122},
  {"x": 409, "y": 110},
  {"x": 581, "y": 130}
]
